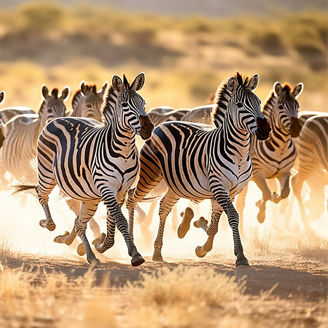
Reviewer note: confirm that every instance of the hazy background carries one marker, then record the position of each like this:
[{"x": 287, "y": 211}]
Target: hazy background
[{"x": 185, "y": 47}]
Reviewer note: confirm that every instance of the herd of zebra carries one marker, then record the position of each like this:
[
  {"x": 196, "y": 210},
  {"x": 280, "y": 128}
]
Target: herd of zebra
[{"x": 209, "y": 152}]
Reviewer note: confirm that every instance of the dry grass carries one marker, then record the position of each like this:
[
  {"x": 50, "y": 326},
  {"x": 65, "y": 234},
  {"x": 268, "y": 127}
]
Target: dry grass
[{"x": 39, "y": 299}]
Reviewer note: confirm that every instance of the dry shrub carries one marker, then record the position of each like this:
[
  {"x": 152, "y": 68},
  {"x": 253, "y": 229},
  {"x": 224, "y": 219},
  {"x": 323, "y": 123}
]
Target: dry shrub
[
  {"x": 38, "y": 299},
  {"x": 183, "y": 297}
]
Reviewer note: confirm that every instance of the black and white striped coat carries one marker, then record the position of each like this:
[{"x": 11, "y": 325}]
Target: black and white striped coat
[
  {"x": 275, "y": 157},
  {"x": 93, "y": 162},
  {"x": 312, "y": 163},
  {"x": 22, "y": 131},
  {"x": 198, "y": 162}
]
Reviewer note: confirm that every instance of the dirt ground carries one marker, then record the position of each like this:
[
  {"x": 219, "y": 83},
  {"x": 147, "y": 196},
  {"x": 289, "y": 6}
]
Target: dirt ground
[{"x": 295, "y": 289}]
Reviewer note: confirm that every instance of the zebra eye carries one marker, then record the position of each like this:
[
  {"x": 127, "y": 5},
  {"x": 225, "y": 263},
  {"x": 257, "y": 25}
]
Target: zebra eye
[
  {"x": 49, "y": 110},
  {"x": 124, "y": 104},
  {"x": 89, "y": 106},
  {"x": 281, "y": 107}
]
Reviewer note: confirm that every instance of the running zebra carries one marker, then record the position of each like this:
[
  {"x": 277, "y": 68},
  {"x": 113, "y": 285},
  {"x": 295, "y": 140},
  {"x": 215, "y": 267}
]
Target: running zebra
[
  {"x": 93, "y": 162},
  {"x": 87, "y": 102},
  {"x": 21, "y": 134},
  {"x": 313, "y": 157},
  {"x": 199, "y": 162},
  {"x": 275, "y": 157}
]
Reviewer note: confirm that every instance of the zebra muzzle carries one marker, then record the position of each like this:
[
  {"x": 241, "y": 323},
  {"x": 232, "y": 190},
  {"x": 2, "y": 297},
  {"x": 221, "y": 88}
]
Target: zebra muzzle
[
  {"x": 263, "y": 129},
  {"x": 146, "y": 127},
  {"x": 295, "y": 127}
]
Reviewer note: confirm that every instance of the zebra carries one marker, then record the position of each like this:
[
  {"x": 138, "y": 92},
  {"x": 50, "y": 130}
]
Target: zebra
[
  {"x": 22, "y": 131},
  {"x": 200, "y": 162},
  {"x": 174, "y": 115},
  {"x": 160, "y": 110},
  {"x": 93, "y": 162},
  {"x": 275, "y": 157},
  {"x": 201, "y": 114},
  {"x": 313, "y": 158},
  {"x": 87, "y": 101}
]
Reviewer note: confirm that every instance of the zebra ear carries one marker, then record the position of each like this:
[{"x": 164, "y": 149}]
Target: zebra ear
[
  {"x": 45, "y": 92},
  {"x": 298, "y": 89},
  {"x": 253, "y": 82},
  {"x": 65, "y": 93},
  {"x": 278, "y": 89},
  {"x": 126, "y": 82},
  {"x": 117, "y": 83},
  {"x": 138, "y": 82},
  {"x": 2, "y": 96},
  {"x": 103, "y": 89},
  {"x": 82, "y": 87},
  {"x": 232, "y": 84}
]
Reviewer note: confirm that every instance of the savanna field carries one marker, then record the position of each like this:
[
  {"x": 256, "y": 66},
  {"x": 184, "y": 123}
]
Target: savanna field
[{"x": 184, "y": 57}]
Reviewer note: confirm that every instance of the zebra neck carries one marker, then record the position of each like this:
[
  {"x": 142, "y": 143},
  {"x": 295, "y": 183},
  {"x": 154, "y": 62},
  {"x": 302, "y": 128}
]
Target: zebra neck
[
  {"x": 121, "y": 138},
  {"x": 234, "y": 141},
  {"x": 278, "y": 138},
  {"x": 269, "y": 105}
]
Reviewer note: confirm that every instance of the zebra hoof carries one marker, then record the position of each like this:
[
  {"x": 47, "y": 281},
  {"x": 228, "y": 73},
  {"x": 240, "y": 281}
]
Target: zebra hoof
[
  {"x": 184, "y": 227},
  {"x": 201, "y": 222},
  {"x": 80, "y": 249},
  {"x": 200, "y": 251},
  {"x": 50, "y": 227},
  {"x": 157, "y": 258},
  {"x": 98, "y": 241},
  {"x": 260, "y": 217},
  {"x": 93, "y": 260},
  {"x": 61, "y": 238},
  {"x": 241, "y": 260},
  {"x": 137, "y": 260}
]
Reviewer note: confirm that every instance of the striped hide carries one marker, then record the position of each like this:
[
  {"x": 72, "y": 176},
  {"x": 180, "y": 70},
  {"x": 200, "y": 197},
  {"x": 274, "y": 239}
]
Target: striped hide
[{"x": 198, "y": 162}]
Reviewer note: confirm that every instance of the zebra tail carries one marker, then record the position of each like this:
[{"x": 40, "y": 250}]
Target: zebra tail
[{"x": 24, "y": 187}]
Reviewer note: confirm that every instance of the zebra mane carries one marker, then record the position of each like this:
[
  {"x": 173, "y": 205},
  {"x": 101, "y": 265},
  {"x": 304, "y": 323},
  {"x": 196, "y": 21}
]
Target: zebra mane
[
  {"x": 221, "y": 99},
  {"x": 54, "y": 92},
  {"x": 107, "y": 105},
  {"x": 76, "y": 98}
]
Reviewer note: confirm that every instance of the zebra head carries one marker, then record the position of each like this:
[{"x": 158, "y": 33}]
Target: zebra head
[
  {"x": 53, "y": 105},
  {"x": 91, "y": 101},
  {"x": 286, "y": 109},
  {"x": 130, "y": 106},
  {"x": 245, "y": 106}
]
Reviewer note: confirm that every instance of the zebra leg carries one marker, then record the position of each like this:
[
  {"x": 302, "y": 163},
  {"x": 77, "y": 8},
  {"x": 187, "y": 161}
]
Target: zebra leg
[
  {"x": 165, "y": 207},
  {"x": 74, "y": 205},
  {"x": 114, "y": 214},
  {"x": 240, "y": 205},
  {"x": 87, "y": 210},
  {"x": 284, "y": 186},
  {"x": 149, "y": 178},
  {"x": 259, "y": 179},
  {"x": 43, "y": 193},
  {"x": 224, "y": 200},
  {"x": 187, "y": 216},
  {"x": 211, "y": 230}
]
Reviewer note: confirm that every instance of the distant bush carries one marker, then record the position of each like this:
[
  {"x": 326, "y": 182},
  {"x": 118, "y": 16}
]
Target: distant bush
[
  {"x": 39, "y": 18},
  {"x": 313, "y": 54},
  {"x": 270, "y": 42}
]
